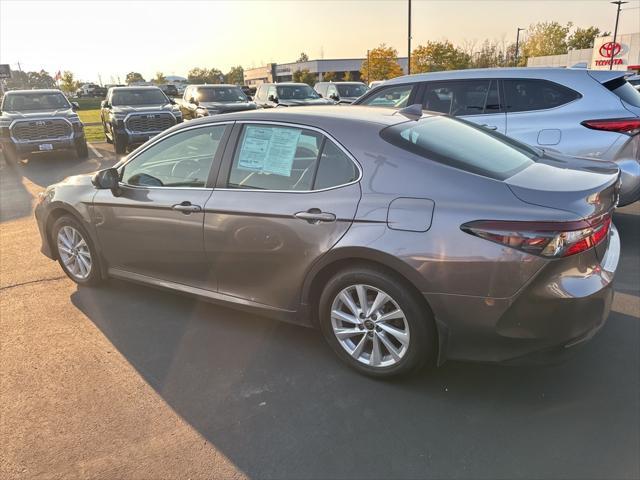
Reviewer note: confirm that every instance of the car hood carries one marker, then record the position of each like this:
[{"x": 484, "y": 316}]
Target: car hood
[
  {"x": 166, "y": 108},
  {"x": 67, "y": 113},
  {"x": 228, "y": 107},
  {"x": 309, "y": 101}
]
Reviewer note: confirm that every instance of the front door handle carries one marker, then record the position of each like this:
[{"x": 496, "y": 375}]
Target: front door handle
[
  {"x": 489, "y": 127},
  {"x": 315, "y": 215},
  {"x": 187, "y": 208}
]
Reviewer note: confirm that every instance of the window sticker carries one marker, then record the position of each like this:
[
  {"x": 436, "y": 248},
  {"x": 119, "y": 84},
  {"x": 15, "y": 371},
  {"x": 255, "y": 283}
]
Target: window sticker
[{"x": 268, "y": 150}]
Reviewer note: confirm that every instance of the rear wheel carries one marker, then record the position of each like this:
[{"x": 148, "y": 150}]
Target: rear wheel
[
  {"x": 76, "y": 254},
  {"x": 375, "y": 323}
]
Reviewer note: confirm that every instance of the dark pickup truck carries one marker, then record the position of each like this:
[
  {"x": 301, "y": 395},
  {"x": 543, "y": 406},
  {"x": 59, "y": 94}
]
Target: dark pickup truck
[
  {"x": 132, "y": 115},
  {"x": 40, "y": 121},
  {"x": 204, "y": 100}
]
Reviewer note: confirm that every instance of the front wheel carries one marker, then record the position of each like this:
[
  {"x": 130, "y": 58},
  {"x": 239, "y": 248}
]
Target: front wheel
[
  {"x": 119, "y": 143},
  {"x": 375, "y": 323},
  {"x": 76, "y": 253},
  {"x": 82, "y": 150}
]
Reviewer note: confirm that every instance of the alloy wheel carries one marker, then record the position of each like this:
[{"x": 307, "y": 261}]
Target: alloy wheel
[
  {"x": 74, "y": 252},
  {"x": 370, "y": 325}
]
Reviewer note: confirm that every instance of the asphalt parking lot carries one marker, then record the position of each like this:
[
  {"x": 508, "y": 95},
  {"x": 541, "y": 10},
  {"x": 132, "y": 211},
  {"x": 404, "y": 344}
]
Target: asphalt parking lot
[{"x": 128, "y": 381}]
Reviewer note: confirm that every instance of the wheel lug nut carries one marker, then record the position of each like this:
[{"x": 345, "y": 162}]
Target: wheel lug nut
[{"x": 362, "y": 315}]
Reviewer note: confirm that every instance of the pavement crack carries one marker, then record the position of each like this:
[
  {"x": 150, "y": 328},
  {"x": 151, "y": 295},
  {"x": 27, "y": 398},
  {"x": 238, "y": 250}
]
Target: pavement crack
[{"x": 52, "y": 279}]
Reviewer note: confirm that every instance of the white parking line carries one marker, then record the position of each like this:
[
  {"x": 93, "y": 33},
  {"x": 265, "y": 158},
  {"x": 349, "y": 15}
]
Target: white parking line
[{"x": 95, "y": 151}]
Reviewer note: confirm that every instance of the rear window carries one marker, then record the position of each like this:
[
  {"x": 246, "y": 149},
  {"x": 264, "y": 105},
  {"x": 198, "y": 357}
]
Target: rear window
[
  {"x": 624, "y": 90},
  {"x": 462, "y": 145},
  {"x": 525, "y": 95}
]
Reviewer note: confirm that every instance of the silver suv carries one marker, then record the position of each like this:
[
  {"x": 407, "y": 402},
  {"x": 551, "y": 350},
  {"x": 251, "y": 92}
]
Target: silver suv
[{"x": 585, "y": 113}]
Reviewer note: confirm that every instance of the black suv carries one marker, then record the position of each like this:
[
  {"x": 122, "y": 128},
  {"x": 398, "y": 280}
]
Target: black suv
[
  {"x": 341, "y": 92},
  {"x": 132, "y": 115},
  {"x": 40, "y": 121},
  {"x": 288, "y": 95}
]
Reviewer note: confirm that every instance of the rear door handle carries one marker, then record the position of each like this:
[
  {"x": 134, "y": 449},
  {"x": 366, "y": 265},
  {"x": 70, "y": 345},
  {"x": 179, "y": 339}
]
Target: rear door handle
[
  {"x": 187, "y": 208},
  {"x": 489, "y": 127},
  {"x": 314, "y": 215}
]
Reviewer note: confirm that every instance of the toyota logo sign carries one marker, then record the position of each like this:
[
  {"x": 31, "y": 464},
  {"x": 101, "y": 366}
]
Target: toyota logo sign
[{"x": 610, "y": 49}]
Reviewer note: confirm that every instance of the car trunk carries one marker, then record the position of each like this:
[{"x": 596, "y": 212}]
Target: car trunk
[{"x": 586, "y": 188}]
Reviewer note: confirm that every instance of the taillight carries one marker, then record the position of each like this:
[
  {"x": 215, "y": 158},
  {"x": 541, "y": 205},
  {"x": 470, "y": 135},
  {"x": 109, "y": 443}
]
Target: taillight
[
  {"x": 630, "y": 126},
  {"x": 546, "y": 239}
]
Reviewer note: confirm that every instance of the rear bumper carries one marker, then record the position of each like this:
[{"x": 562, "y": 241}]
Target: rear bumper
[{"x": 562, "y": 307}]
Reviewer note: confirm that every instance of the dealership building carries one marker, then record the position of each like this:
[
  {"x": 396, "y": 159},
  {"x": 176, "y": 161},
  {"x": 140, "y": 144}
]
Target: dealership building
[
  {"x": 283, "y": 72},
  {"x": 626, "y": 55}
]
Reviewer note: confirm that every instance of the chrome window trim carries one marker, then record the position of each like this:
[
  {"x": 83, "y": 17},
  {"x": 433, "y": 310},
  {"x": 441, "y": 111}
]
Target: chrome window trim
[
  {"x": 23, "y": 120},
  {"x": 157, "y": 140},
  {"x": 303, "y": 127}
]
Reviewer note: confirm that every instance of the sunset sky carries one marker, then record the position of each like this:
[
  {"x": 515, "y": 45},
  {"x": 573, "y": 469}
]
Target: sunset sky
[{"x": 113, "y": 38}]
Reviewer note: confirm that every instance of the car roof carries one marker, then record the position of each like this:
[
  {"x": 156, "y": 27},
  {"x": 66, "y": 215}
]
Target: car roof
[
  {"x": 326, "y": 117},
  {"x": 133, "y": 87},
  {"x": 549, "y": 73},
  {"x": 214, "y": 85},
  {"x": 295, "y": 84},
  {"x": 35, "y": 90}
]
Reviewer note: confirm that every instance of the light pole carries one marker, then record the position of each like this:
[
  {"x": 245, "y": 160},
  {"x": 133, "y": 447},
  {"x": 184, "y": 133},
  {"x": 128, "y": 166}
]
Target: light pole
[
  {"x": 518, "y": 44},
  {"x": 368, "y": 69},
  {"x": 615, "y": 32},
  {"x": 409, "y": 42}
]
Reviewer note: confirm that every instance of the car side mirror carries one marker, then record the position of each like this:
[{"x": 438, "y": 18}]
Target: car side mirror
[
  {"x": 75, "y": 106},
  {"x": 194, "y": 101},
  {"x": 319, "y": 94},
  {"x": 250, "y": 98},
  {"x": 172, "y": 101},
  {"x": 273, "y": 98},
  {"x": 334, "y": 96},
  {"x": 107, "y": 179},
  {"x": 105, "y": 104}
]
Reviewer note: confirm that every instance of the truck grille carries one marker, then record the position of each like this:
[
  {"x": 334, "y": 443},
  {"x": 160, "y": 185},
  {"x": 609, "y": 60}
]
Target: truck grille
[
  {"x": 150, "y": 122},
  {"x": 34, "y": 130}
]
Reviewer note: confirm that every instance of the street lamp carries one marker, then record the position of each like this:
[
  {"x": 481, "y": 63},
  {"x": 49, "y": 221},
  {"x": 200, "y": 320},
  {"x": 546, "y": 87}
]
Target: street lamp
[
  {"x": 409, "y": 41},
  {"x": 619, "y": 3},
  {"x": 518, "y": 43}
]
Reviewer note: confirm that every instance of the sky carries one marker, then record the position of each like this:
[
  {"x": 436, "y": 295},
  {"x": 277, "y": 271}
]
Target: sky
[{"x": 105, "y": 40}]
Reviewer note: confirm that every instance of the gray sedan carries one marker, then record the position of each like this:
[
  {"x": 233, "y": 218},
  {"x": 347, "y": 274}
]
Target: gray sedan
[{"x": 408, "y": 239}]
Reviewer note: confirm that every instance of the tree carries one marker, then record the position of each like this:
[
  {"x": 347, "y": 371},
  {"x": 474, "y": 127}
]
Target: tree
[
  {"x": 235, "y": 76},
  {"x": 382, "y": 64},
  {"x": 203, "y": 75},
  {"x": 304, "y": 76},
  {"x": 303, "y": 57},
  {"x": 544, "y": 38},
  {"x": 19, "y": 80},
  {"x": 159, "y": 78},
  {"x": 68, "y": 84},
  {"x": 329, "y": 77},
  {"x": 584, "y": 37},
  {"x": 491, "y": 54},
  {"x": 134, "y": 77},
  {"x": 438, "y": 56},
  {"x": 41, "y": 79}
]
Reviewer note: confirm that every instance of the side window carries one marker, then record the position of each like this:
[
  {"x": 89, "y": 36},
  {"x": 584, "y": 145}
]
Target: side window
[
  {"x": 270, "y": 157},
  {"x": 523, "y": 95},
  {"x": 181, "y": 160},
  {"x": 395, "y": 96},
  {"x": 462, "y": 98},
  {"x": 335, "y": 168},
  {"x": 332, "y": 90},
  {"x": 272, "y": 91}
]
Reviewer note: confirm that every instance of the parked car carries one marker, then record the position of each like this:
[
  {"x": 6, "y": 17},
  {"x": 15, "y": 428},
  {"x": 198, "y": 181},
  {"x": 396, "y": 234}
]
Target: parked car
[
  {"x": 406, "y": 239},
  {"x": 91, "y": 90},
  {"x": 203, "y": 100},
  {"x": 288, "y": 94},
  {"x": 341, "y": 92},
  {"x": 40, "y": 121},
  {"x": 587, "y": 113},
  {"x": 169, "y": 90},
  {"x": 132, "y": 115}
]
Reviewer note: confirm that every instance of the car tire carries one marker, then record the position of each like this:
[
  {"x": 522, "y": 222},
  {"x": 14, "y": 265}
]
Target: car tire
[
  {"x": 10, "y": 153},
  {"x": 82, "y": 150},
  {"x": 106, "y": 135},
  {"x": 119, "y": 144},
  {"x": 75, "y": 251},
  {"x": 407, "y": 338}
]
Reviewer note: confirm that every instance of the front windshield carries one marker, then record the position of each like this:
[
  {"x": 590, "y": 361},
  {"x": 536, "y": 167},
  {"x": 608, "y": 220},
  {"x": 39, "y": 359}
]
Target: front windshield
[
  {"x": 36, "y": 101},
  {"x": 296, "y": 92},
  {"x": 139, "y": 97},
  {"x": 353, "y": 90},
  {"x": 222, "y": 94}
]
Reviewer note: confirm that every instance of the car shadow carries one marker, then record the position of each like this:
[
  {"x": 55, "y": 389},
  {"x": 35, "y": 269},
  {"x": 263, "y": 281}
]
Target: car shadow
[
  {"x": 15, "y": 199},
  {"x": 278, "y": 403}
]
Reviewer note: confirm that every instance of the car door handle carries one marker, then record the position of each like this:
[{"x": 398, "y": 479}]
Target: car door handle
[
  {"x": 187, "y": 208},
  {"x": 314, "y": 215},
  {"x": 489, "y": 127}
]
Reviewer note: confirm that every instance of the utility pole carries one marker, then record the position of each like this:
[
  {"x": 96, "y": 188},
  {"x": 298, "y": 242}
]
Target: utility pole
[
  {"x": 615, "y": 32},
  {"x": 409, "y": 42},
  {"x": 518, "y": 44}
]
